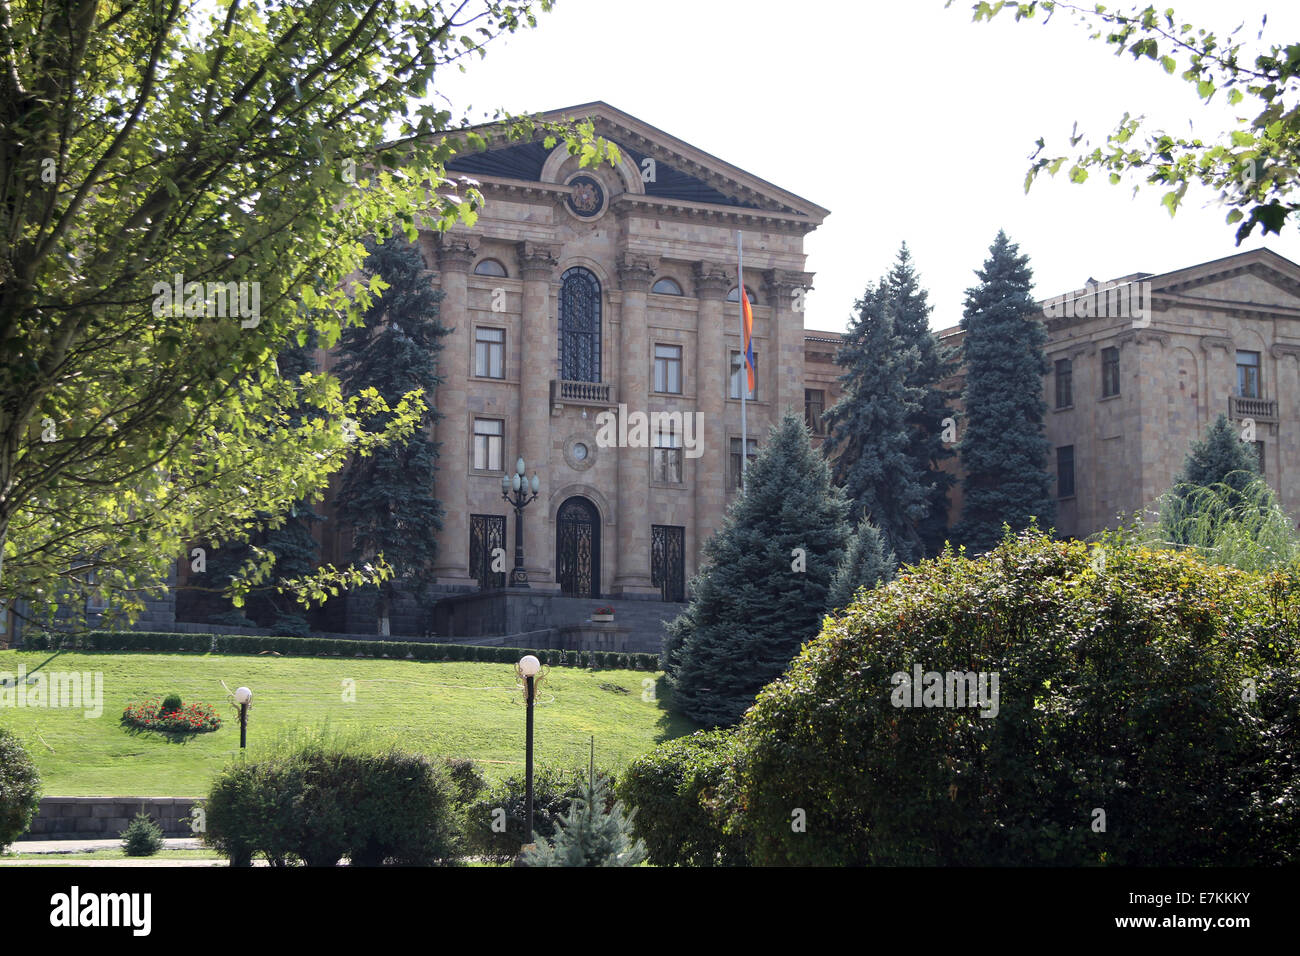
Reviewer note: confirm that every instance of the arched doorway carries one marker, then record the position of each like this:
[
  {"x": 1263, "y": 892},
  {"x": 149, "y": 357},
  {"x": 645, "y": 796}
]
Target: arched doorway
[{"x": 577, "y": 548}]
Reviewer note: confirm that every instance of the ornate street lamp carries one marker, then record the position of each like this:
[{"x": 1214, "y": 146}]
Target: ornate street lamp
[
  {"x": 244, "y": 698},
  {"x": 519, "y": 492},
  {"x": 528, "y": 668}
]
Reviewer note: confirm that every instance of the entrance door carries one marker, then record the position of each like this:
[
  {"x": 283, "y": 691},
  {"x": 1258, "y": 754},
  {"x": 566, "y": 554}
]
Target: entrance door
[{"x": 577, "y": 548}]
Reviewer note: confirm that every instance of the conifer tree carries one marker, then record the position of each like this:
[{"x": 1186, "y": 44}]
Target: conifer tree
[
  {"x": 868, "y": 437},
  {"x": 867, "y": 563},
  {"x": 1003, "y": 446},
  {"x": 926, "y": 445},
  {"x": 762, "y": 588},
  {"x": 1220, "y": 462},
  {"x": 388, "y": 501},
  {"x": 592, "y": 833}
]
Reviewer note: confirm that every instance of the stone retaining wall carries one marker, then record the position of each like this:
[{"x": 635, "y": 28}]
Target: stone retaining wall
[{"x": 104, "y": 818}]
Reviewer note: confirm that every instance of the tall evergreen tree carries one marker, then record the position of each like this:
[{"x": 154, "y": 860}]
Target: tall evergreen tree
[
  {"x": 867, "y": 562},
  {"x": 868, "y": 436},
  {"x": 762, "y": 588},
  {"x": 1003, "y": 448},
  {"x": 1221, "y": 463},
  {"x": 388, "y": 500},
  {"x": 926, "y": 447}
]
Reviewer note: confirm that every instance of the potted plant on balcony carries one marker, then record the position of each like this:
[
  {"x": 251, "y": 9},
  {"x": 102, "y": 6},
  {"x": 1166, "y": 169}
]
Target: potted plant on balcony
[{"x": 603, "y": 613}]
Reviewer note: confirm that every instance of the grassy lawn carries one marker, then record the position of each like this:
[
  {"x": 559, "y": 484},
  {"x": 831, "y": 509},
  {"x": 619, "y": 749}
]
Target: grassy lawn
[{"x": 454, "y": 709}]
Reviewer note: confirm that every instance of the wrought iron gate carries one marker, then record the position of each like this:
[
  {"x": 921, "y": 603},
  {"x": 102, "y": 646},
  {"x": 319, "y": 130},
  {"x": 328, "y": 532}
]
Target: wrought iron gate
[
  {"x": 668, "y": 561},
  {"x": 577, "y": 548},
  {"x": 486, "y": 534}
]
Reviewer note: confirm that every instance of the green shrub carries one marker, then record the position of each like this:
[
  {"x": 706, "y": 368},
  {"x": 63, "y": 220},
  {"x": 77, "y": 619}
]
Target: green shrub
[
  {"x": 1144, "y": 685},
  {"x": 142, "y": 837},
  {"x": 466, "y": 778},
  {"x": 20, "y": 789},
  {"x": 171, "y": 703},
  {"x": 322, "y": 801},
  {"x": 673, "y": 790},
  {"x": 553, "y": 793}
]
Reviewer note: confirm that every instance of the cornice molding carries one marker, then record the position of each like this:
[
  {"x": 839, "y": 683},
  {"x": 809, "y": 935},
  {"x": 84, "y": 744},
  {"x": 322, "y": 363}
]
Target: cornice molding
[{"x": 1215, "y": 342}]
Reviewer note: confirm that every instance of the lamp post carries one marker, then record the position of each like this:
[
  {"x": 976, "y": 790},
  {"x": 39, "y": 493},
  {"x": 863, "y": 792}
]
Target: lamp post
[
  {"x": 528, "y": 668},
  {"x": 515, "y": 489},
  {"x": 243, "y": 697}
]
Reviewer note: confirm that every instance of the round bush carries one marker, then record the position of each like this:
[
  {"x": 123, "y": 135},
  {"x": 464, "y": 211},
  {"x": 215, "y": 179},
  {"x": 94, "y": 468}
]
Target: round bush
[
  {"x": 673, "y": 790},
  {"x": 171, "y": 704},
  {"x": 1146, "y": 714},
  {"x": 20, "y": 788}
]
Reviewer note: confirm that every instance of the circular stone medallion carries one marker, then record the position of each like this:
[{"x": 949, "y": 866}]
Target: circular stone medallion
[{"x": 588, "y": 198}]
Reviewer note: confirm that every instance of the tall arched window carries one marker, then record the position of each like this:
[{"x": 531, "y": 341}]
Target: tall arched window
[{"x": 579, "y": 326}]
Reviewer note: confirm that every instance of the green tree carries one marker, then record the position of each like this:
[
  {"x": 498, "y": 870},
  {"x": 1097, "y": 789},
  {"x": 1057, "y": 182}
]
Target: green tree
[
  {"x": 926, "y": 445},
  {"x": 1003, "y": 448},
  {"x": 869, "y": 438},
  {"x": 1250, "y": 168},
  {"x": 387, "y": 501},
  {"x": 592, "y": 833},
  {"x": 245, "y": 149},
  {"x": 867, "y": 562},
  {"x": 764, "y": 580}
]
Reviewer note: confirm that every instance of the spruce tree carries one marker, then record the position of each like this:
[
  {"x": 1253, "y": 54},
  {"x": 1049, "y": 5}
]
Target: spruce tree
[
  {"x": 1003, "y": 446},
  {"x": 387, "y": 499},
  {"x": 1221, "y": 462},
  {"x": 926, "y": 446},
  {"x": 762, "y": 588},
  {"x": 867, "y": 562},
  {"x": 868, "y": 435},
  {"x": 592, "y": 833}
]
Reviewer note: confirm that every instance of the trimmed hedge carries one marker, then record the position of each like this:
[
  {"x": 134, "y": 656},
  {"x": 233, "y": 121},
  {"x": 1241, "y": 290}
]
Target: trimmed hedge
[
  {"x": 1148, "y": 714},
  {"x": 330, "y": 647},
  {"x": 674, "y": 791}
]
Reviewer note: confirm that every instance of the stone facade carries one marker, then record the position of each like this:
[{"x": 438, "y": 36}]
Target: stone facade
[
  {"x": 655, "y": 237},
  {"x": 1152, "y": 362}
]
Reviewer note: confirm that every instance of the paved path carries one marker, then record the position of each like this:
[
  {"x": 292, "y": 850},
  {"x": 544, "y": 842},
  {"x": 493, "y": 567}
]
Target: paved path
[{"x": 89, "y": 846}]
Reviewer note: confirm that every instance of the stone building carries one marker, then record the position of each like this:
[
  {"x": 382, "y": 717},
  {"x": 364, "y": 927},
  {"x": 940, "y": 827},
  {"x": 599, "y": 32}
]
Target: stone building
[
  {"x": 1142, "y": 365},
  {"x": 585, "y": 298}
]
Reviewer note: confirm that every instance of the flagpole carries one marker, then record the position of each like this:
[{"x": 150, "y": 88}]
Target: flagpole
[{"x": 744, "y": 378}]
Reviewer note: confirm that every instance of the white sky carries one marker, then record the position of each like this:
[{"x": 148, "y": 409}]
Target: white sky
[{"x": 904, "y": 119}]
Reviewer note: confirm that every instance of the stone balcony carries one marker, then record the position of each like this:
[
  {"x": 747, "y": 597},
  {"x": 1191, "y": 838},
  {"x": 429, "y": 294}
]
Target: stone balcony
[
  {"x": 1258, "y": 409},
  {"x": 599, "y": 394}
]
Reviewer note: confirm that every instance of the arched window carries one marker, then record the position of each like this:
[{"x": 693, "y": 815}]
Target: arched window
[
  {"x": 734, "y": 295},
  {"x": 490, "y": 267},
  {"x": 667, "y": 287},
  {"x": 579, "y": 326}
]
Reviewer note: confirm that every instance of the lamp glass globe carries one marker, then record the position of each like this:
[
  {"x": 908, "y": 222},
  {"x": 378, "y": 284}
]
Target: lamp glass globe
[
  {"x": 529, "y": 665},
  {"x": 243, "y": 695}
]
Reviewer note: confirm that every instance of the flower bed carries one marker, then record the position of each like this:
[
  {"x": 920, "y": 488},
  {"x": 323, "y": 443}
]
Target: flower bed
[{"x": 195, "y": 718}]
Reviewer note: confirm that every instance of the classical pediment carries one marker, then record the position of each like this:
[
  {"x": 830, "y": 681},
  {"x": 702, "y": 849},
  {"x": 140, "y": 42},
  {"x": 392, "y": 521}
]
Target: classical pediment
[{"x": 656, "y": 166}]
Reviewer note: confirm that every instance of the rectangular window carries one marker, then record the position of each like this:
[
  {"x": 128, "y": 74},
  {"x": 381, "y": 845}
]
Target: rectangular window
[
  {"x": 1109, "y": 372},
  {"x": 488, "y": 436},
  {"x": 739, "y": 375},
  {"x": 668, "y": 369},
  {"x": 1248, "y": 375},
  {"x": 1064, "y": 383},
  {"x": 668, "y": 454},
  {"x": 751, "y": 452},
  {"x": 490, "y": 353},
  {"x": 814, "y": 405},
  {"x": 1065, "y": 471}
]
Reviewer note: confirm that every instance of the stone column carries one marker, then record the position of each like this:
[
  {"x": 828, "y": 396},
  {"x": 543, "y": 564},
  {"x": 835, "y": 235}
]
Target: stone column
[
  {"x": 455, "y": 254},
  {"x": 710, "y": 469},
  {"x": 633, "y": 576},
  {"x": 786, "y": 339},
  {"x": 539, "y": 328}
]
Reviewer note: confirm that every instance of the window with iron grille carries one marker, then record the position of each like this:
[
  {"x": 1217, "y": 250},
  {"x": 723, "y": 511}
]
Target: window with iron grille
[
  {"x": 668, "y": 561},
  {"x": 487, "y": 533},
  {"x": 579, "y": 326}
]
